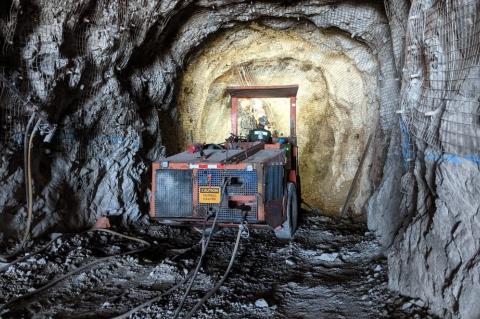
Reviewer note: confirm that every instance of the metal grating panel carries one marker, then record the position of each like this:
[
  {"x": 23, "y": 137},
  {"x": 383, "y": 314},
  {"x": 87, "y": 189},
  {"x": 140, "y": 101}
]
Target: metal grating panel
[
  {"x": 216, "y": 177},
  {"x": 236, "y": 215},
  {"x": 174, "y": 193}
]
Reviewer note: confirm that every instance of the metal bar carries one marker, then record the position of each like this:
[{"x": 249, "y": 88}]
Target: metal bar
[
  {"x": 293, "y": 119},
  {"x": 355, "y": 178},
  {"x": 234, "y": 115},
  {"x": 155, "y": 166},
  {"x": 246, "y": 153}
]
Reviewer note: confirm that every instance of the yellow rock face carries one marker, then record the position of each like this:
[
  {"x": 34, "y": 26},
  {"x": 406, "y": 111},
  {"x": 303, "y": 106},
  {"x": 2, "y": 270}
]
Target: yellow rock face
[{"x": 337, "y": 108}]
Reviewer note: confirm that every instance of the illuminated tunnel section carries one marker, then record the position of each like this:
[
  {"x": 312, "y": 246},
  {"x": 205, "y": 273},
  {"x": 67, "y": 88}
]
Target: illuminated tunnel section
[{"x": 337, "y": 105}]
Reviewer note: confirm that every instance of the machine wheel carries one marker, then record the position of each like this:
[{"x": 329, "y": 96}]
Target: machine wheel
[{"x": 290, "y": 225}]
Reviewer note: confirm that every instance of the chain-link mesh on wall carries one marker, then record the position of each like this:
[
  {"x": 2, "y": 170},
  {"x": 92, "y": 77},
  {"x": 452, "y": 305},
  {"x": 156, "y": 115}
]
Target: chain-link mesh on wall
[
  {"x": 75, "y": 47},
  {"x": 441, "y": 93},
  {"x": 62, "y": 55},
  {"x": 397, "y": 13}
]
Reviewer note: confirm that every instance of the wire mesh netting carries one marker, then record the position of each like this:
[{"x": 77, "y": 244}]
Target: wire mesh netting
[
  {"x": 441, "y": 93},
  {"x": 440, "y": 97},
  {"x": 57, "y": 57}
]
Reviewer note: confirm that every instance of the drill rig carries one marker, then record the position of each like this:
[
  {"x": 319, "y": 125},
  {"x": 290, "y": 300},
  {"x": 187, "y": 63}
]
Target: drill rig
[{"x": 238, "y": 181}]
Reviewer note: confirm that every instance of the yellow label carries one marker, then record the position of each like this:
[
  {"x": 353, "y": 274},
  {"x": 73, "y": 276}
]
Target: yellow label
[{"x": 209, "y": 195}]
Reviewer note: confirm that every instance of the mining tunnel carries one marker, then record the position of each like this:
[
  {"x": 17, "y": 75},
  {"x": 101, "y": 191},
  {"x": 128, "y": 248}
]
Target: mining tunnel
[{"x": 240, "y": 159}]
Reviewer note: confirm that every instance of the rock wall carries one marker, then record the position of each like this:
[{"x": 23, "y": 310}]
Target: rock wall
[
  {"x": 435, "y": 254},
  {"x": 108, "y": 72},
  {"x": 337, "y": 103}
]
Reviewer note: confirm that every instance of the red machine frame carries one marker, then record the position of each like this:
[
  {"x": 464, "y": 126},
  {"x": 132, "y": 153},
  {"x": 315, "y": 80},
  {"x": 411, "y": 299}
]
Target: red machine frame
[
  {"x": 236, "y": 93},
  {"x": 277, "y": 91}
]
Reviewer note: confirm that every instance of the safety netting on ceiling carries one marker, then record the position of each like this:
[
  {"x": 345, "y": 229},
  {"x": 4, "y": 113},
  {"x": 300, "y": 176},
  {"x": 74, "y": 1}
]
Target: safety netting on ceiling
[{"x": 440, "y": 102}]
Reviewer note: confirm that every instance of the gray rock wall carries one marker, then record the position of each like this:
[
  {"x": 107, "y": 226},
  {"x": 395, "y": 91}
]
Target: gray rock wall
[
  {"x": 435, "y": 252},
  {"x": 106, "y": 72}
]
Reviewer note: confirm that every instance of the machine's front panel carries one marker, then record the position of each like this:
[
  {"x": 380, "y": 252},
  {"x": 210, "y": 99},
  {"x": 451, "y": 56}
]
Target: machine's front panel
[
  {"x": 173, "y": 193},
  {"x": 240, "y": 186}
]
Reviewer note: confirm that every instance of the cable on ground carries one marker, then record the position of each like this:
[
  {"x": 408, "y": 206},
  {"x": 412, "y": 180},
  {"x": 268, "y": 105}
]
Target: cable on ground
[
  {"x": 205, "y": 243},
  {"x": 84, "y": 267},
  {"x": 28, "y": 255},
  {"x": 242, "y": 232}
]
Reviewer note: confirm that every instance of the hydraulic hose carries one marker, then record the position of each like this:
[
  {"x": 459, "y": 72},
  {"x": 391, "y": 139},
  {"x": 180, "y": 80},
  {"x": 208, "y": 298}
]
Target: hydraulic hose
[
  {"x": 73, "y": 272},
  {"x": 77, "y": 270},
  {"x": 29, "y": 185},
  {"x": 205, "y": 244},
  {"x": 222, "y": 280},
  {"x": 27, "y": 142},
  {"x": 158, "y": 298},
  {"x": 25, "y": 151},
  {"x": 16, "y": 261}
]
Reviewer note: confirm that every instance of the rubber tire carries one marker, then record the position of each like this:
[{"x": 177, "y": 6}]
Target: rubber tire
[{"x": 289, "y": 227}]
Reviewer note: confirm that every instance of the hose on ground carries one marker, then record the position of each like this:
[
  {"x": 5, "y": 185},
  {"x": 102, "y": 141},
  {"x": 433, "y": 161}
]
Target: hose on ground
[
  {"x": 158, "y": 298},
  {"x": 20, "y": 259},
  {"x": 43, "y": 248},
  {"x": 241, "y": 229},
  {"x": 77, "y": 270},
  {"x": 205, "y": 243}
]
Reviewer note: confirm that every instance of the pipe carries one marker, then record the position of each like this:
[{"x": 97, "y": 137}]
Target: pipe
[
  {"x": 355, "y": 178},
  {"x": 25, "y": 151}
]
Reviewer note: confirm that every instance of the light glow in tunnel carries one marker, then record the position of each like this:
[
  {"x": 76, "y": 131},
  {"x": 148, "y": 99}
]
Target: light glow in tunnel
[{"x": 337, "y": 107}]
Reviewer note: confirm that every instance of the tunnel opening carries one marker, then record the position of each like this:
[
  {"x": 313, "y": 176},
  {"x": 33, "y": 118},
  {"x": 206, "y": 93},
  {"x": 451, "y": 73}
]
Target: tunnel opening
[{"x": 338, "y": 107}]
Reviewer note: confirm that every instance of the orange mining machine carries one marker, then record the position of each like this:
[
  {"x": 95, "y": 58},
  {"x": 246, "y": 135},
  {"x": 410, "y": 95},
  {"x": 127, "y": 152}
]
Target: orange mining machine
[{"x": 237, "y": 181}]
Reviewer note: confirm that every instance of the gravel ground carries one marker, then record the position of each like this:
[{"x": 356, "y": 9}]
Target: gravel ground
[{"x": 332, "y": 269}]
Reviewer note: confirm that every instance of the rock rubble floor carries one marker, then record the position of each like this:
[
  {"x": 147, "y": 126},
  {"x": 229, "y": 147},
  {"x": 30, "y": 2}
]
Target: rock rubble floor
[{"x": 332, "y": 269}]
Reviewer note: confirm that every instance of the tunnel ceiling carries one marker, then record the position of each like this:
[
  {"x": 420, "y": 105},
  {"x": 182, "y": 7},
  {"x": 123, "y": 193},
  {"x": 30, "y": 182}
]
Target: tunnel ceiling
[
  {"x": 111, "y": 74},
  {"x": 337, "y": 106}
]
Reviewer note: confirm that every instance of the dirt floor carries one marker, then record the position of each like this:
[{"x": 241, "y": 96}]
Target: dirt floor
[{"x": 332, "y": 269}]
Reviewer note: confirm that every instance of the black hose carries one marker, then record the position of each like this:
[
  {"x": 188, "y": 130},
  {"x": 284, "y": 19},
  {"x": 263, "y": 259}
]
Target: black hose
[
  {"x": 204, "y": 250},
  {"x": 73, "y": 272},
  {"x": 77, "y": 270},
  {"x": 158, "y": 298},
  {"x": 20, "y": 259},
  {"x": 222, "y": 280},
  {"x": 205, "y": 243}
]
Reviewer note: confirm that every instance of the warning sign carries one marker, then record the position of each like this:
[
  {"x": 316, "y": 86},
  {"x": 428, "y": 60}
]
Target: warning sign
[{"x": 209, "y": 195}]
